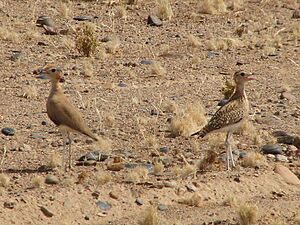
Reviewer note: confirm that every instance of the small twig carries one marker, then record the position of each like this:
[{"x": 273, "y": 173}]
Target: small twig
[
  {"x": 296, "y": 64},
  {"x": 278, "y": 32}
]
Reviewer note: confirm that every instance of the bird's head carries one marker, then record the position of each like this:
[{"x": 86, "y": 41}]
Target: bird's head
[
  {"x": 241, "y": 77},
  {"x": 51, "y": 72}
]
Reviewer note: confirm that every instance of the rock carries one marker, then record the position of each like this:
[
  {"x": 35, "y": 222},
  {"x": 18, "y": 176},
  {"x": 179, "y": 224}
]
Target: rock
[
  {"x": 115, "y": 166},
  {"x": 8, "y": 131},
  {"x": 287, "y": 95},
  {"x": 164, "y": 149},
  {"x": 146, "y": 62},
  {"x": 283, "y": 137},
  {"x": 94, "y": 156},
  {"x": 86, "y": 163},
  {"x": 122, "y": 84},
  {"x": 9, "y": 205},
  {"x": 87, "y": 217},
  {"x": 191, "y": 187},
  {"x": 139, "y": 201},
  {"x": 222, "y": 102},
  {"x": 84, "y": 18},
  {"x": 149, "y": 167},
  {"x": 162, "y": 207},
  {"x": 113, "y": 195},
  {"x": 212, "y": 54},
  {"x": 242, "y": 155},
  {"x": 296, "y": 14},
  {"x": 51, "y": 179},
  {"x": 288, "y": 176},
  {"x": 49, "y": 30},
  {"x": 16, "y": 56},
  {"x": 281, "y": 158},
  {"x": 272, "y": 149},
  {"x": 45, "y": 20},
  {"x": 154, "y": 21},
  {"x": 47, "y": 212},
  {"x": 103, "y": 205},
  {"x": 25, "y": 148},
  {"x": 44, "y": 123},
  {"x": 96, "y": 194}
]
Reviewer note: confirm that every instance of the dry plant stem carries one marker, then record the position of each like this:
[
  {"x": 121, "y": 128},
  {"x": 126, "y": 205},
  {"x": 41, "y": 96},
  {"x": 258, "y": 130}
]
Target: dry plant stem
[
  {"x": 296, "y": 64},
  {"x": 3, "y": 157}
]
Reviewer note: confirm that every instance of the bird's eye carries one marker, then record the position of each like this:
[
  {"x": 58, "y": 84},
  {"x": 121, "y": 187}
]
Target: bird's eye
[
  {"x": 53, "y": 70},
  {"x": 242, "y": 74}
]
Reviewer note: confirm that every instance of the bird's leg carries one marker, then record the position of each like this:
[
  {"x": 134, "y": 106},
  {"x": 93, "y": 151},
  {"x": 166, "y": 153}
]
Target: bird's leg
[
  {"x": 230, "y": 150},
  {"x": 70, "y": 155},
  {"x": 65, "y": 139},
  {"x": 227, "y": 144}
]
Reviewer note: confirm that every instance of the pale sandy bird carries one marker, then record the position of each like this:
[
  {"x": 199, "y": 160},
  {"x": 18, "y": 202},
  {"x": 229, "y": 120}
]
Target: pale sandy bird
[
  {"x": 61, "y": 111},
  {"x": 230, "y": 116}
]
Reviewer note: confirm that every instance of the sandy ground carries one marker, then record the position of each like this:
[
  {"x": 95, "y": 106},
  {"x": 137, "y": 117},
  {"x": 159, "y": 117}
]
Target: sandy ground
[{"x": 134, "y": 118}]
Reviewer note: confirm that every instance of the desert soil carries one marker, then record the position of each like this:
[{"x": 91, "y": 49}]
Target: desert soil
[{"x": 134, "y": 116}]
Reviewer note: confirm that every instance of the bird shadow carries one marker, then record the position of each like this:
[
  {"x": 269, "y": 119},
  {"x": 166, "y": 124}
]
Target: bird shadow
[{"x": 41, "y": 169}]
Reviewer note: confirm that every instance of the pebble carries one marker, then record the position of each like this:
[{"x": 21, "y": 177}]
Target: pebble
[
  {"x": 45, "y": 20},
  {"x": 9, "y": 205},
  {"x": 16, "y": 56},
  {"x": 287, "y": 175},
  {"x": 242, "y": 155},
  {"x": 146, "y": 62},
  {"x": 47, "y": 212},
  {"x": 191, "y": 187},
  {"x": 164, "y": 149},
  {"x": 283, "y": 137},
  {"x": 149, "y": 167},
  {"x": 8, "y": 131},
  {"x": 212, "y": 54},
  {"x": 154, "y": 21},
  {"x": 44, "y": 123},
  {"x": 281, "y": 158},
  {"x": 103, "y": 205},
  {"x": 272, "y": 149},
  {"x": 83, "y": 18},
  {"x": 296, "y": 14},
  {"x": 51, "y": 179},
  {"x": 87, "y": 217},
  {"x": 271, "y": 156},
  {"x": 139, "y": 201},
  {"x": 162, "y": 207},
  {"x": 122, "y": 84},
  {"x": 113, "y": 195},
  {"x": 287, "y": 95},
  {"x": 95, "y": 156}
]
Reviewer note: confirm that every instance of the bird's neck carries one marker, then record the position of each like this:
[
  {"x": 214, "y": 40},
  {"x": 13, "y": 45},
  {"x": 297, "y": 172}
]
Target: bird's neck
[
  {"x": 55, "y": 86},
  {"x": 239, "y": 91}
]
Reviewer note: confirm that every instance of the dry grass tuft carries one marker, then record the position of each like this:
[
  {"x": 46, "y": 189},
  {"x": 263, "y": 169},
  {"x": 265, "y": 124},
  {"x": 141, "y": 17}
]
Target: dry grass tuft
[
  {"x": 64, "y": 10},
  {"x": 54, "y": 161},
  {"x": 151, "y": 217},
  {"x": 224, "y": 44},
  {"x": 230, "y": 201},
  {"x": 86, "y": 40},
  {"x": 113, "y": 45},
  {"x": 103, "y": 178},
  {"x": 157, "y": 69},
  {"x": 109, "y": 119},
  {"x": 213, "y": 6},
  {"x": 104, "y": 143},
  {"x": 68, "y": 182},
  {"x": 136, "y": 175},
  {"x": 37, "y": 182},
  {"x": 9, "y": 35},
  {"x": 247, "y": 214},
  {"x": 254, "y": 159},
  {"x": 209, "y": 158},
  {"x": 121, "y": 11},
  {"x": 170, "y": 106},
  {"x": 193, "y": 41},
  {"x": 228, "y": 89},
  {"x": 4, "y": 180},
  {"x": 188, "y": 170},
  {"x": 236, "y": 5},
  {"x": 88, "y": 69},
  {"x": 189, "y": 121},
  {"x": 30, "y": 92},
  {"x": 194, "y": 200},
  {"x": 165, "y": 11},
  {"x": 152, "y": 142},
  {"x": 216, "y": 140}
]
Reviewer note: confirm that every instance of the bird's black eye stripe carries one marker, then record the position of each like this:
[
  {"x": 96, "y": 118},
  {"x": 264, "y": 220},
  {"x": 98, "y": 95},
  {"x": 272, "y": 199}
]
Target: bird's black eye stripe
[
  {"x": 242, "y": 74},
  {"x": 53, "y": 70}
]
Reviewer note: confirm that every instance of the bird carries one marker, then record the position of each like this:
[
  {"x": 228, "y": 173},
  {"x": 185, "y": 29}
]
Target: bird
[
  {"x": 231, "y": 115},
  {"x": 61, "y": 111}
]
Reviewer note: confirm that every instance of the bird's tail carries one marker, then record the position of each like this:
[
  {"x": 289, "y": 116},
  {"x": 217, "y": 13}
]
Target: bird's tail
[{"x": 201, "y": 133}]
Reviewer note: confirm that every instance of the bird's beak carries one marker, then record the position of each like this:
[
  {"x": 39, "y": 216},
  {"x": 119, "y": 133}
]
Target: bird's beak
[{"x": 251, "y": 77}]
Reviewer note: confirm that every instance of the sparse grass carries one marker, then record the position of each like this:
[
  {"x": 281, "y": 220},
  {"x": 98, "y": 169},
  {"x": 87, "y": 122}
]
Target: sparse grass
[
  {"x": 64, "y": 10},
  {"x": 136, "y": 175},
  {"x": 209, "y": 158},
  {"x": 224, "y": 44},
  {"x": 193, "y": 200},
  {"x": 170, "y": 106},
  {"x": 152, "y": 142},
  {"x": 193, "y": 41},
  {"x": 188, "y": 170},
  {"x": 158, "y": 168},
  {"x": 247, "y": 214},
  {"x": 86, "y": 40},
  {"x": 151, "y": 217},
  {"x": 228, "y": 89},
  {"x": 113, "y": 45},
  {"x": 254, "y": 159},
  {"x": 88, "y": 69},
  {"x": 189, "y": 121},
  {"x": 212, "y": 6},
  {"x": 68, "y": 182},
  {"x": 109, "y": 119},
  {"x": 37, "y": 182},
  {"x": 4, "y": 180},
  {"x": 165, "y": 11},
  {"x": 103, "y": 178},
  {"x": 54, "y": 161},
  {"x": 104, "y": 143},
  {"x": 230, "y": 201},
  {"x": 9, "y": 35},
  {"x": 216, "y": 140},
  {"x": 30, "y": 92},
  {"x": 121, "y": 11},
  {"x": 83, "y": 177},
  {"x": 157, "y": 69}
]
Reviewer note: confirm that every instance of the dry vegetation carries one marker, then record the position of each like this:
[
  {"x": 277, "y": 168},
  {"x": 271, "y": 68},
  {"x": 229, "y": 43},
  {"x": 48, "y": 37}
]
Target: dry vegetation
[
  {"x": 247, "y": 214},
  {"x": 86, "y": 40}
]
